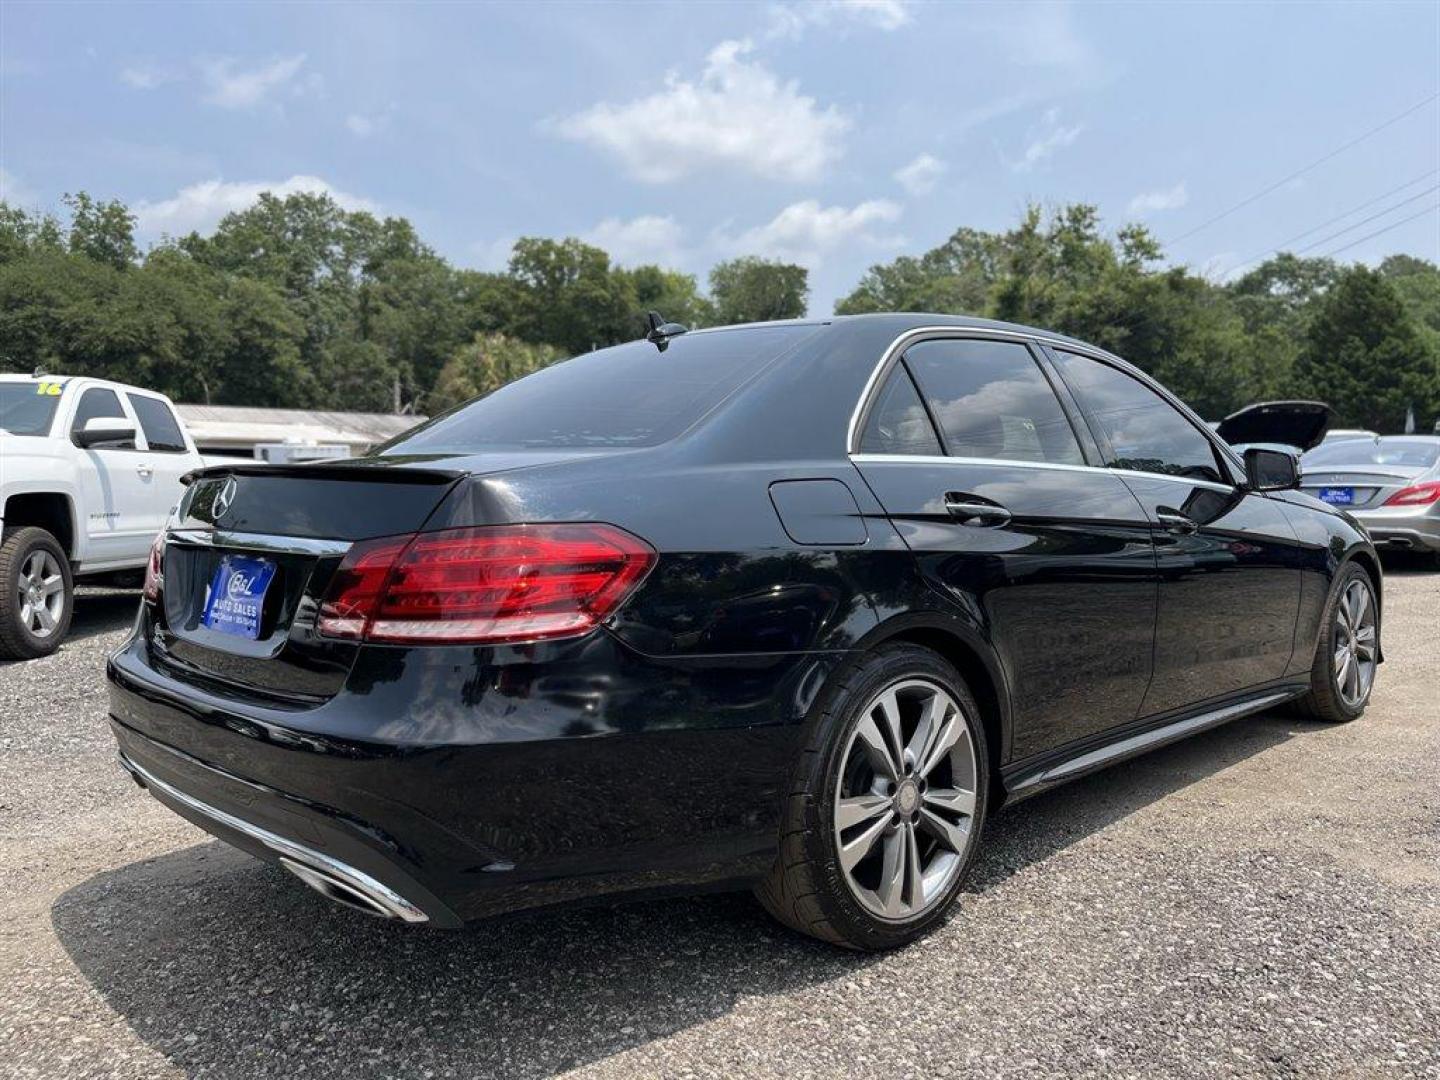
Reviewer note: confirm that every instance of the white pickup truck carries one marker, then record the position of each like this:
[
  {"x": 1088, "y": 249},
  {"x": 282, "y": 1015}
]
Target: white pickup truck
[{"x": 89, "y": 470}]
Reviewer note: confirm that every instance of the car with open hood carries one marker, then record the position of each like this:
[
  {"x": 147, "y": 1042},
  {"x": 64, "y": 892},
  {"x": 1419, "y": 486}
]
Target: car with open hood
[{"x": 792, "y": 606}]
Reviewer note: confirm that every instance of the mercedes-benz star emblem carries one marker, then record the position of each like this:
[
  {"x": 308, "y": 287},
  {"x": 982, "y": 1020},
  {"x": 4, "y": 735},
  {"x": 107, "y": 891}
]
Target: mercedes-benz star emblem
[{"x": 225, "y": 497}]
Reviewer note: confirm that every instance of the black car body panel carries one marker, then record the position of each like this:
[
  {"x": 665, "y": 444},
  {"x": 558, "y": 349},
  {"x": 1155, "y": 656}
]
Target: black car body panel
[
  {"x": 655, "y": 751},
  {"x": 1301, "y": 424}
]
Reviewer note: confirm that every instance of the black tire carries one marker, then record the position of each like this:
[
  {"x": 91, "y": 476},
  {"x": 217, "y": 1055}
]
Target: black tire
[
  {"x": 807, "y": 889},
  {"x": 1324, "y": 701},
  {"x": 18, "y": 641}
]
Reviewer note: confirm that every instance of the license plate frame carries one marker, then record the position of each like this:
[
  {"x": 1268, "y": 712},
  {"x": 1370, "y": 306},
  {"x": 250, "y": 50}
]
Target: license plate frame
[{"x": 235, "y": 603}]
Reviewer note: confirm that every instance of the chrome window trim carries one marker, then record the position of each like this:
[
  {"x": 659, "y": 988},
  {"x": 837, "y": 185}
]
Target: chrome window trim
[
  {"x": 902, "y": 341},
  {"x": 245, "y": 541},
  {"x": 932, "y": 459}
]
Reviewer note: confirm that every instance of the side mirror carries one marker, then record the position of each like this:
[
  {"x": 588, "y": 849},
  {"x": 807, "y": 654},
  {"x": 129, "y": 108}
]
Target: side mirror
[
  {"x": 103, "y": 431},
  {"x": 1271, "y": 470}
]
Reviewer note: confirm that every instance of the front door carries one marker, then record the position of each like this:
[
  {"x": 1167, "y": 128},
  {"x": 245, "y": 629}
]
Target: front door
[
  {"x": 117, "y": 488},
  {"x": 1228, "y": 559},
  {"x": 1010, "y": 521}
]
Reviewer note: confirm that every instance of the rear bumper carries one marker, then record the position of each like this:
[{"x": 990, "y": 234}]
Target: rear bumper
[
  {"x": 451, "y": 784},
  {"x": 325, "y": 873},
  {"x": 1389, "y": 528}
]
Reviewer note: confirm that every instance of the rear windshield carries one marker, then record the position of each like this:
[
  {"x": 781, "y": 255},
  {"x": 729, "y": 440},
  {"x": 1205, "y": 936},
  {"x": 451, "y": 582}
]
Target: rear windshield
[
  {"x": 1415, "y": 453},
  {"x": 26, "y": 408},
  {"x": 625, "y": 396}
]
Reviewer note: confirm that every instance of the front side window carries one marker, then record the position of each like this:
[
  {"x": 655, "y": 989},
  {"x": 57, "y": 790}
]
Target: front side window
[
  {"x": 1146, "y": 432},
  {"x": 991, "y": 400},
  {"x": 898, "y": 423},
  {"x": 162, "y": 430},
  {"x": 99, "y": 401}
]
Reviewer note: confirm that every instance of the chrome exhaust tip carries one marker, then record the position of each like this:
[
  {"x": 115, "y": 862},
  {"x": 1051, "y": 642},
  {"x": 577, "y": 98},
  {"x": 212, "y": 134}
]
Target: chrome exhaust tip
[{"x": 346, "y": 893}]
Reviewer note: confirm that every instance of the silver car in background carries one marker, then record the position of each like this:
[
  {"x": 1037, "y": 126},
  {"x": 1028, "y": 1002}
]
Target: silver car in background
[{"x": 1391, "y": 483}]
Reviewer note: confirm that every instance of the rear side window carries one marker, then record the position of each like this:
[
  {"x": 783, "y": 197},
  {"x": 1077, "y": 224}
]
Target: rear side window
[
  {"x": 626, "y": 396},
  {"x": 1146, "y": 432},
  {"x": 991, "y": 400},
  {"x": 162, "y": 430},
  {"x": 99, "y": 401},
  {"x": 898, "y": 423}
]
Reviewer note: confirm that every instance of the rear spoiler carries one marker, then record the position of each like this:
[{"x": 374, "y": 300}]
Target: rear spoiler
[{"x": 371, "y": 470}]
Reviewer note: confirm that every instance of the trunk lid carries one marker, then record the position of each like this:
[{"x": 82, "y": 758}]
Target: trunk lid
[
  {"x": 294, "y": 522},
  {"x": 1369, "y": 486}
]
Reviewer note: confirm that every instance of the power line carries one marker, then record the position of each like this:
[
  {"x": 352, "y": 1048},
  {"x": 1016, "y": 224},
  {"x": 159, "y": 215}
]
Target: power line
[
  {"x": 1378, "y": 232},
  {"x": 1353, "y": 210},
  {"x": 1301, "y": 172},
  {"x": 1285, "y": 244},
  {"x": 1367, "y": 220}
]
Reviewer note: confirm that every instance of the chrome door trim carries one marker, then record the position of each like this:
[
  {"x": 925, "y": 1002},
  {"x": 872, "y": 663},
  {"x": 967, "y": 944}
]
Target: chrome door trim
[{"x": 939, "y": 459}]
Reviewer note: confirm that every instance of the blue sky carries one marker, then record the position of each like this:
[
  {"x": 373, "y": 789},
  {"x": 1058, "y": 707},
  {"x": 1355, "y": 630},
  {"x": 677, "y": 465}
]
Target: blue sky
[{"x": 833, "y": 134}]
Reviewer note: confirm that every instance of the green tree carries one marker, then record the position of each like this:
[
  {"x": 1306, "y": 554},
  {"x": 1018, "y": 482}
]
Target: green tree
[
  {"x": 569, "y": 296},
  {"x": 673, "y": 294},
  {"x": 485, "y": 364},
  {"x": 103, "y": 231},
  {"x": 1365, "y": 355},
  {"x": 751, "y": 289}
]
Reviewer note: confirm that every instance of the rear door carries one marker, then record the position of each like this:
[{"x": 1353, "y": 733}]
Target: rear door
[
  {"x": 992, "y": 484},
  {"x": 167, "y": 457},
  {"x": 1229, "y": 560}
]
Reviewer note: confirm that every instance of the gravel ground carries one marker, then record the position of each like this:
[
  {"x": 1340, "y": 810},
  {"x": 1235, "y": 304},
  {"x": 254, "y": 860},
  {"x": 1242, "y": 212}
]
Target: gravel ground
[{"x": 1263, "y": 900}]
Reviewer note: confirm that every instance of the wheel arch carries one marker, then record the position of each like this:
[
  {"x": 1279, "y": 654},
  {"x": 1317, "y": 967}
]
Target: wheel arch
[
  {"x": 52, "y": 511},
  {"x": 977, "y": 664}
]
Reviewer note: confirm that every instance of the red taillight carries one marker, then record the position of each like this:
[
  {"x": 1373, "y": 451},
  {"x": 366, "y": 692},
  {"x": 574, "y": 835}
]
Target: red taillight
[
  {"x": 154, "y": 579},
  {"x": 1416, "y": 495},
  {"x": 503, "y": 583}
]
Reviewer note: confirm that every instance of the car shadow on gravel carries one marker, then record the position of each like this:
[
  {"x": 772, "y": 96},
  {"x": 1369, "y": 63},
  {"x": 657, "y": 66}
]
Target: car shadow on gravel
[{"x": 226, "y": 965}]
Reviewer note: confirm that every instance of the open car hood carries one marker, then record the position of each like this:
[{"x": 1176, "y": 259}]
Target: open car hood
[{"x": 1301, "y": 424}]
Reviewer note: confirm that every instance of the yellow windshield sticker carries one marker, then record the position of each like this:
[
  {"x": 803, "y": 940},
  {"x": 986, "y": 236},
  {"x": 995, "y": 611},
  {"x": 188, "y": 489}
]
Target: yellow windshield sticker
[{"x": 49, "y": 389}]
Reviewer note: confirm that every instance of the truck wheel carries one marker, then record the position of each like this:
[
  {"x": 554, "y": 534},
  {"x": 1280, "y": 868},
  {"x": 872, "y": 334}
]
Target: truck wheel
[{"x": 37, "y": 594}]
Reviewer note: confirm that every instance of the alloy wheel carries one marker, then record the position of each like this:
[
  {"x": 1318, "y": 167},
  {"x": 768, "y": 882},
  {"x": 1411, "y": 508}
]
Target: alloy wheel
[
  {"x": 1355, "y": 647},
  {"x": 41, "y": 590},
  {"x": 905, "y": 799}
]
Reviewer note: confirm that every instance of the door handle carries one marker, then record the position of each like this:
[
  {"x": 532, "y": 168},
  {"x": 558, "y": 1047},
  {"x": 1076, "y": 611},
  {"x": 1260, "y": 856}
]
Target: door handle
[
  {"x": 976, "y": 513},
  {"x": 1174, "y": 521},
  {"x": 145, "y": 471}
]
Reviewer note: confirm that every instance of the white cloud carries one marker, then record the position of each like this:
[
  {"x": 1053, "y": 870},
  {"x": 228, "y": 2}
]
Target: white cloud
[
  {"x": 147, "y": 76},
  {"x": 1148, "y": 202},
  {"x": 1051, "y": 137},
  {"x": 645, "y": 239},
  {"x": 13, "y": 190},
  {"x": 200, "y": 207},
  {"x": 233, "y": 89},
  {"x": 921, "y": 175},
  {"x": 804, "y": 232},
  {"x": 792, "y": 20},
  {"x": 364, "y": 124},
  {"x": 737, "y": 115}
]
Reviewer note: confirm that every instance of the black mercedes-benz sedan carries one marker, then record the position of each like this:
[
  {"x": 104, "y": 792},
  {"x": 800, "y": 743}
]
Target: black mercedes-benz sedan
[{"x": 790, "y": 606}]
